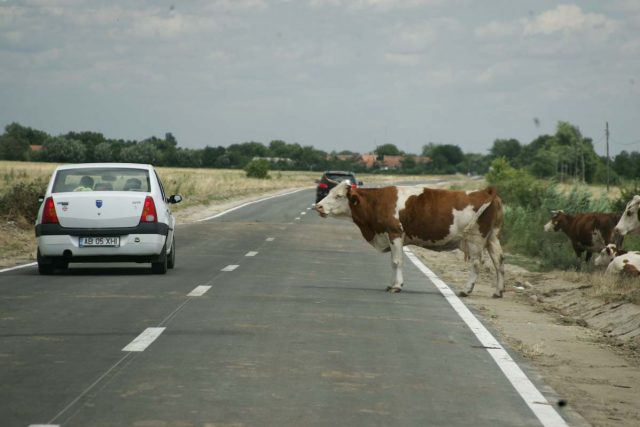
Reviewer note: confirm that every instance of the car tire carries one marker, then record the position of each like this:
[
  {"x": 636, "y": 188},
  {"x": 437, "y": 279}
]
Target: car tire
[
  {"x": 45, "y": 265},
  {"x": 171, "y": 258},
  {"x": 160, "y": 266}
]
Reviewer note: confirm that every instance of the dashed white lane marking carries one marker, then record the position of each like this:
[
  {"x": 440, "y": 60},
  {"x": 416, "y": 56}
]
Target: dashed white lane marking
[
  {"x": 230, "y": 267},
  {"x": 270, "y": 239},
  {"x": 308, "y": 209},
  {"x": 15, "y": 268},
  {"x": 297, "y": 218},
  {"x": 144, "y": 340},
  {"x": 43, "y": 425},
  {"x": 303, "y": 213},
  {"x": 198, "y": 291},
  {"x": 251, "y": 253},
  {"x": 249, "y": 203},
  {"x": 545, "y": 412}
]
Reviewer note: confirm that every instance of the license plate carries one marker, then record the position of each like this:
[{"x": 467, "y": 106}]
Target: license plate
[{"x": 100, "y": 242}]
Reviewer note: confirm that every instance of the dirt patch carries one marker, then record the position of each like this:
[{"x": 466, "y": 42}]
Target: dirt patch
[{"x": 584, "y": 347}]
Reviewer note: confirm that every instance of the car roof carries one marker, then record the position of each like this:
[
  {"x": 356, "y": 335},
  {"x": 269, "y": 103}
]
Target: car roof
[
  {"x": 105, "y": 165},
  {"x": 338, "y": 173}
]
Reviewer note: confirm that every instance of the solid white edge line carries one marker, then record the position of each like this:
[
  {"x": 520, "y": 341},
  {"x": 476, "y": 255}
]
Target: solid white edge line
[
  {"x": 230, "y": 267},
  {"x": 542, "y": 409},
  {"x": 251, "y": 253},
  {"x": 198, "y": 291},
  {"x": 144, "y": 340},
  {"x": 17, "y": 267},
  {"x": 249, "y": 203}
]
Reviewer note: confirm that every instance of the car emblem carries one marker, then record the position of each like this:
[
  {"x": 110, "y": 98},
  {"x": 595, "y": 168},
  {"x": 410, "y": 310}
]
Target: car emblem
[{"x": 99, "y": 203}]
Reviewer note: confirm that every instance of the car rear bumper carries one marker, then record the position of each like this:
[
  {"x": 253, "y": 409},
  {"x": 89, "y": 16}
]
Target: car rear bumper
[
  {"x": 142, "y": 228},
  {"x": 133, "y": 247}
]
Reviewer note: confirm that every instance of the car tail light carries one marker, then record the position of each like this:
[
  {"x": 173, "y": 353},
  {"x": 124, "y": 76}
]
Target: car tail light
[
  {"x": 323, "y": 186},
  {"x": 49, "y": 215},
  {"x": 354, "y": 185},
  {"x": 149, "y": 211}
]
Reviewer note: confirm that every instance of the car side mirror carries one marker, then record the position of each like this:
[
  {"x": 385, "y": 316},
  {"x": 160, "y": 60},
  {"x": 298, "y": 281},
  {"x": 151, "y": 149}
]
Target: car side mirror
[
  {"x": 175, "y": 198},
  {"x": 317, "y": 181},
  {"x": 40, "y": 199},
  {"x": 360, "y": 183}
]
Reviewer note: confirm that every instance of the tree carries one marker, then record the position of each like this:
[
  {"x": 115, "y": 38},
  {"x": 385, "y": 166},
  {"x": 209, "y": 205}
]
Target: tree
[
  {"x": 103, "y": 152},
  {"x": 508, "y": 148},
  {"x": 445, "y": 158},
  {"x": 210, "y": 155},
  {"x": 258, "y": 168},
  {"x": 387, "y": 150},
  {"x": 12, "y": 148},
  {"x": 143, "y": 152},
  {"x": 63, "y": 150}
]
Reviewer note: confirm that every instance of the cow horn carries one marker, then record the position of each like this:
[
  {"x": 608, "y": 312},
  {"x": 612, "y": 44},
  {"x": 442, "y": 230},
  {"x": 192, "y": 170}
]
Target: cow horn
[{"x": 332, "y": 181}]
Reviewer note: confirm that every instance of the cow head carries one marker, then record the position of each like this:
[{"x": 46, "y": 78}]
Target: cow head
[
  {"x": 336, "y": 204},
  {"x": 630, "y": 219},
  {"x": 606, "y": 255},
  {"x": 556, "y": 221}
]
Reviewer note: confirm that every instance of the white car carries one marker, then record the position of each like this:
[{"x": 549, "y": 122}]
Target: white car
[{"x": 105, "y": 212}]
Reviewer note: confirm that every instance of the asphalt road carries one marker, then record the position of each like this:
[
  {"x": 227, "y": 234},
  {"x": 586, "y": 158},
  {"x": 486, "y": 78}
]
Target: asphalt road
[{"x": 300, "y": 333}]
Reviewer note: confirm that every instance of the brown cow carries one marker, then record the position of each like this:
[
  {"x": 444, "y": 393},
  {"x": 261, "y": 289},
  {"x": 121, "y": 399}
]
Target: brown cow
[
  {"x": 442, "y": 220},
  {"x": 589, "y": 232}
]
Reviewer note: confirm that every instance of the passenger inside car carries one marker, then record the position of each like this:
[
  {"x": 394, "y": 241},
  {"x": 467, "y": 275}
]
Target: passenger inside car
[
  {"x": 133, "y": 184},
  {"x": 86, "y": 184}
]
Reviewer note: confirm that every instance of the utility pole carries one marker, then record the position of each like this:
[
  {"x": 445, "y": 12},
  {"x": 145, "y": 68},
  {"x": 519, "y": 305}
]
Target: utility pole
[{"x": 606, "y": 132}]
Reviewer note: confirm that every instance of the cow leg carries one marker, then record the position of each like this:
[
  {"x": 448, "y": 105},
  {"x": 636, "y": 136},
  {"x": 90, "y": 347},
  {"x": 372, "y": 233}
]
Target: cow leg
[
  {"x": 495, "y": 252},
  {"x": 588, "y": 257},
  {"x": 473, "y": 276},
  {"x": 397, "y": 259}
]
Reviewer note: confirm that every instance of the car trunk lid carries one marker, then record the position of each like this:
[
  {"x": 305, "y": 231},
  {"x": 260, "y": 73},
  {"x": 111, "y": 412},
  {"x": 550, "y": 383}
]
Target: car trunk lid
[{"x": 99, "y": 209}]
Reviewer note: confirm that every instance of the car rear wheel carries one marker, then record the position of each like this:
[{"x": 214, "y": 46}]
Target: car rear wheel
[
  {"x": 160, "y": 267},
  {"x": 171, "y": 261},
  {"x": 45, "y": 265}
]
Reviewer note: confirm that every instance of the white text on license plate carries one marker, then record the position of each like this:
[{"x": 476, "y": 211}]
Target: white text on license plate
[{"x": 100, "y": 241}]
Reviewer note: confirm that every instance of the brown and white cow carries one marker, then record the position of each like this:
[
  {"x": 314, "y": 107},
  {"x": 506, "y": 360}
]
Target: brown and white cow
[
  {"x": 630, "y": 219},
  {"x": 619, "y": 261},
  {"x": 588, "y": 232},
  {"x": 392, "y": 217}
]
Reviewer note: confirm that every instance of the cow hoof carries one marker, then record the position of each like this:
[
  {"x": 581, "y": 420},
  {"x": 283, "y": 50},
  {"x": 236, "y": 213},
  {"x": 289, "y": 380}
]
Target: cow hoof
[
  {"x": 395, "y": 290},
  {"x": 497, "y": 295},
  {"x": 463, "y": 294}
]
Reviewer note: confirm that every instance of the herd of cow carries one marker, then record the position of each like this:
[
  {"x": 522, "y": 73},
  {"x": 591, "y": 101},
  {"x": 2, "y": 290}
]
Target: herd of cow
[{"x": 392, "y": 217}]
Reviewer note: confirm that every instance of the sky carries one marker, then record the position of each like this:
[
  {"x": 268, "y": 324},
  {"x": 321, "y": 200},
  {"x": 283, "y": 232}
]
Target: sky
[{"x": 334, "y": 74}]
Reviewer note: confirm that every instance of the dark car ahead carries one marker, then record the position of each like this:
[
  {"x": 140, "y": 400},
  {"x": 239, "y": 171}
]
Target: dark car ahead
[{"x": 330, "y": 179}]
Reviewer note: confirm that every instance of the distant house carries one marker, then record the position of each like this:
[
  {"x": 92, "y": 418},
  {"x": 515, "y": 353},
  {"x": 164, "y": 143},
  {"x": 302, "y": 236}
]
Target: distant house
[
  {"x": 392, "y": 162},
  {"x": 370, "y": 161},
  {"x": 275, "y": 159},
  {"x": 36, "y": 148}
]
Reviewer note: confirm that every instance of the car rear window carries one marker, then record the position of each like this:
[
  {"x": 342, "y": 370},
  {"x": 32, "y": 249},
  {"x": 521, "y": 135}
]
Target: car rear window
[
  {"x": 341, "y": 177},
  {"x": 101, "y": 179}
]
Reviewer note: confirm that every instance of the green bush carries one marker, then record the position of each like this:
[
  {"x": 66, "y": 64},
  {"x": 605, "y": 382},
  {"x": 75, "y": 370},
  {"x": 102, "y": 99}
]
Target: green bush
[
  {"x": 20, "y": 202},
  {"x": 528, "y": 204},
  {"x": 258, "y": 168}
]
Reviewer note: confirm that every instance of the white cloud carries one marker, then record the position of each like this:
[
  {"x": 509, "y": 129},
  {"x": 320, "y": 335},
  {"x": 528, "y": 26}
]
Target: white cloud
[{"x": 569, "y": 19}]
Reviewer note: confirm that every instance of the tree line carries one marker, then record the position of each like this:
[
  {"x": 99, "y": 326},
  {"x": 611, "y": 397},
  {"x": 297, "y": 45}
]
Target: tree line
[{"x": 564, "y": 155}]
